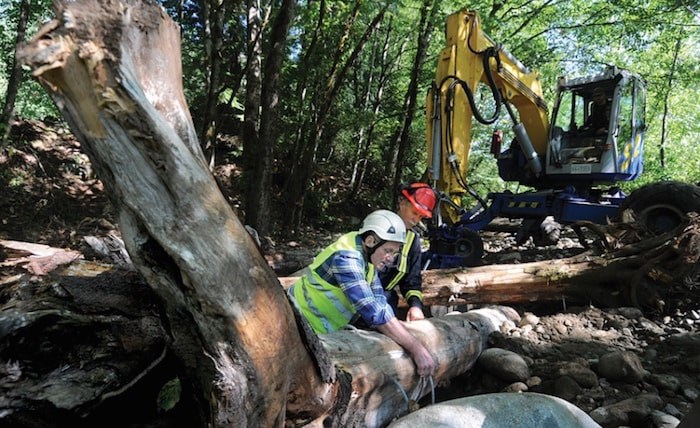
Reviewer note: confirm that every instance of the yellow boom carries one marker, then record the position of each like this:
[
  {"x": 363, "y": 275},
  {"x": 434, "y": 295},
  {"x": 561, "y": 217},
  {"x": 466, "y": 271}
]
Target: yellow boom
[{"x": 471, "y": 57}]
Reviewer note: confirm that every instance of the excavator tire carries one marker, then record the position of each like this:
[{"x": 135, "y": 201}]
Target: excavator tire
[
  {"x": 662, "y": 206},
  {"x": 470, "y": 247}
]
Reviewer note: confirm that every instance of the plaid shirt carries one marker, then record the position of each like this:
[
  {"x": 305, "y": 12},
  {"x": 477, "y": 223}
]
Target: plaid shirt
[{"x": 347, "y": 270}]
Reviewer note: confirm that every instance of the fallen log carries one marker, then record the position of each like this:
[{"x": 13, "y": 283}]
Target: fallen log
[
  {"x": 635, "y": 269},
  {"x": 382, "y": 374}
]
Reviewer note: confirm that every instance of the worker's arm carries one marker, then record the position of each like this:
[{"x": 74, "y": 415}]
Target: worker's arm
[
  {"x": 368, "y": 299},
  {"x": 425, "y": 364}
]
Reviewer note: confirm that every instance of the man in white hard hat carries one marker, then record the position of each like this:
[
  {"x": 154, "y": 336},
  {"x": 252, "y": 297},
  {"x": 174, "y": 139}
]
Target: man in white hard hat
[{"x": 340, "y": 286}]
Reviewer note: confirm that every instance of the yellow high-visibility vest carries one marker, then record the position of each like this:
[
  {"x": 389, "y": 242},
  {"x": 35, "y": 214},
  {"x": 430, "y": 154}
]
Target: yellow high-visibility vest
[{"x": 323, "y": 304}]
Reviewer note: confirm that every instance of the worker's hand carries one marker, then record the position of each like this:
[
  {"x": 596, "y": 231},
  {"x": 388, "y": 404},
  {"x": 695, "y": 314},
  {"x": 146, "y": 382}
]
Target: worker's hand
[
  {"x": 415, "y": 314},
  {"x": 425, "y": 364}
]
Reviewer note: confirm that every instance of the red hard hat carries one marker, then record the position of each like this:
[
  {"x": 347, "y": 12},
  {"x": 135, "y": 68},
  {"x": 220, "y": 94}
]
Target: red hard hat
[{"x": 422, "y": 197}]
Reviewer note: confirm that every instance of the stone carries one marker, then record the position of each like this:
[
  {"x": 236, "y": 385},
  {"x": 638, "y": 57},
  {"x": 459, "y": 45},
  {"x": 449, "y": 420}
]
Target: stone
[
  {"x": 583, "y": 376},
  {"x": 630, "y": 411},
  {"x": 499, "y": 410},
  {"x": 621, "y": 366},
  {"x": 504, "y": 364},
  {"x": 665, "y": 382}
]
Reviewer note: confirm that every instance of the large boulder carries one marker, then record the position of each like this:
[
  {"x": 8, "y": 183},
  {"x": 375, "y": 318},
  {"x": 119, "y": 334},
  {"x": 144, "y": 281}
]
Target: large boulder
[{"x": 512, "y": 410}]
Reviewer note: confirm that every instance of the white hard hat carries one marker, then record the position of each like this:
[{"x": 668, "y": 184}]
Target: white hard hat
[{"x": 386, "y": 224}]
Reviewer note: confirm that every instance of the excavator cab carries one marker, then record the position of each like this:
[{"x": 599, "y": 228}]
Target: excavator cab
[{"x": 597, "y": 129}]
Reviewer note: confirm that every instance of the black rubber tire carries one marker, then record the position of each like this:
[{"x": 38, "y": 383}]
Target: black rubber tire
[
  {"x": 470, "y": 247},
  {"x": 662, "y": 206}
]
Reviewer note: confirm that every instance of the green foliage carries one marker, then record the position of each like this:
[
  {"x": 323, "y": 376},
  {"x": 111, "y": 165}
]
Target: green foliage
[
  {"x": 32, "y": 101},
  {"x": 169, "y": 395},
  {"x": 572, "y": 38}
]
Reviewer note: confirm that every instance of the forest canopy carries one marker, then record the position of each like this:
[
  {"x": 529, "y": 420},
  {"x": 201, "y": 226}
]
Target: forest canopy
[{"x": 321, "y": 104}]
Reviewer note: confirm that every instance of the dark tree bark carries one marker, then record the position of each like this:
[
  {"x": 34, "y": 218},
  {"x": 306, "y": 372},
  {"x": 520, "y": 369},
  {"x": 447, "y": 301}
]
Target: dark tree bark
[
  {"x": 398, "y": 147},
  {"x": 15, "y": 79},
  {"x": 251, "y": 115},
  {"x": 664, "y": 121},
  {"x": 214, "y": 12},
  {"x": 260, "y": 159}
]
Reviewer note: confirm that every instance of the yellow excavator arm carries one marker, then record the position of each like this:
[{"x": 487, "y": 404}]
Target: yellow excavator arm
[{"x": 469, "y": 58}]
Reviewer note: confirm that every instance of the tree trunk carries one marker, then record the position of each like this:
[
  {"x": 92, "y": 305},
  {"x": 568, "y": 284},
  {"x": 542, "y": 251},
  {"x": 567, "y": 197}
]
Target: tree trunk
[
  {"x": 251, "y": 116},
  {"x": 15, "y": 73},
  {"x": 214, "y": 27},
  {"x": 665, "y": 117},
  {"x": 105, "y": 66},
  {"x": 380, "y": 376},
  {"x": 398, "y": 148},
  {"x": 259, "y": 197}
]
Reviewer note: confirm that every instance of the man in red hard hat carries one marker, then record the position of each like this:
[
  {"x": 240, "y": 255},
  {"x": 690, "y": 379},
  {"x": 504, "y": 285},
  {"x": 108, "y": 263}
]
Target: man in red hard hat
[{"x": 416, "y": 202}]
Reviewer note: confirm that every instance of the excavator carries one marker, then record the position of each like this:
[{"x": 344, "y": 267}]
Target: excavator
[{"x": 569, "y": 164}]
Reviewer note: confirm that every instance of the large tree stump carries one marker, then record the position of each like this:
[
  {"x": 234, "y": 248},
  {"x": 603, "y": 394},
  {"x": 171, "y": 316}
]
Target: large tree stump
[{"x": 113, "y": 69}]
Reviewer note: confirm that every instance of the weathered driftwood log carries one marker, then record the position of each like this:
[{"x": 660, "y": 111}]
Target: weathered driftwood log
[
  {"x": 635, "y": 269},
  {"x": 113, "y": 69},
  {"x": 383, "y": 375}
]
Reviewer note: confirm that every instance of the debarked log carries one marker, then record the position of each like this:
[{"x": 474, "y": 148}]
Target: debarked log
[{"x": 377, "y": 377}]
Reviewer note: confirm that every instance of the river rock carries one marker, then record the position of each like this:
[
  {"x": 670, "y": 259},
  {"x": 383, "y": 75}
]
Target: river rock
[
  {"x": 621, "y": 366},
  {"x": 504, "y": 364},
  {"x": 499, "y": 410}
]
